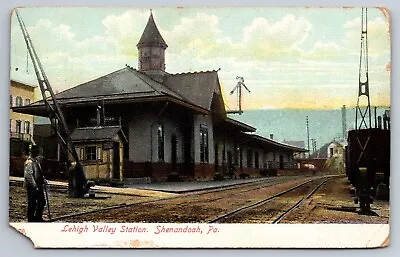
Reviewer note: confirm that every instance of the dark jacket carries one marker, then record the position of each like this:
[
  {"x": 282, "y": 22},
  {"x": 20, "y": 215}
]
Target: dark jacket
[{"x": 33, "y": 177}]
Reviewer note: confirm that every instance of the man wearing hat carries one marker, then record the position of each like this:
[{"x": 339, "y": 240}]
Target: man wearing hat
[{"x": 33, "y": 183}]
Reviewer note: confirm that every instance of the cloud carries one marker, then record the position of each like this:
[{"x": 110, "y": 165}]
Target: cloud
[
  {"x": 124, "y": 30},
  {"x": 199, "y": 32},
  {"x": 270, "y": 39},
  {"x": 69, "y": 61},
  {"x": 267, "y": 53},
  {"x": 378, "y": 36},
  {"x": 200, "y": 37},
  {"x": 327, "y": 50}
]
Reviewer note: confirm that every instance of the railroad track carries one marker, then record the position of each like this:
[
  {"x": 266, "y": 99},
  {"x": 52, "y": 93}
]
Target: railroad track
[
  {"x": 262, "y": 184},
  {"x": 300, "y": 202},
  {"x": 241, "y": 210},
  {"x": 266, "y": 183}
]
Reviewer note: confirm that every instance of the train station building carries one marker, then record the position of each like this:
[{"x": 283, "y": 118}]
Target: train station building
[{"x": 147, "y": 124}]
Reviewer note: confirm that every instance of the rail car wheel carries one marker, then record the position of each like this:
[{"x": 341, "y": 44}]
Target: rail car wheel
[
  {"x": 365, "y": 204},
  {"x": 382, "y": 192}
]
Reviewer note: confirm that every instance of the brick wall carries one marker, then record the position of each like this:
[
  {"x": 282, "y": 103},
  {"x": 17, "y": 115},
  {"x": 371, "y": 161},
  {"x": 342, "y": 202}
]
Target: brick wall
[{"x": 204, "y": 171}]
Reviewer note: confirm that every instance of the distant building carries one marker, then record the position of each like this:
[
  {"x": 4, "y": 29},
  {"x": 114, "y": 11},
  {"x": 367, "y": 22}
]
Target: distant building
[
  {"x": 335, "y": 149},
  {"x": 335, "y": 156},
  {"x": 300, "y": 144},
  {"x": 148, "y": 123},
  {"x": 330, "y": 156},
  {"x": 21, "y": 125}
]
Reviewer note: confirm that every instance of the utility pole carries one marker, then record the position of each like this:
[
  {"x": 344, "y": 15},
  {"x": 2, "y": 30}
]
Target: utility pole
[
  {"x": 314, "y": 145},
  {"x": 308, "y": 137},
  {"x": 344, "y": 122}
]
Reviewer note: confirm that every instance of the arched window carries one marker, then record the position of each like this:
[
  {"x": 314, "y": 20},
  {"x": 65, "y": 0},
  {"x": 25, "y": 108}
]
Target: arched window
[
  {"x": 27, "y": 127},
  {"x": 18, "y": 126},
  {"x": 203, "y": 144},
  {"x": 27, "y": 101},
  {"x": 161, "y": 137},
  {"x": 18, "y": 101},
  {"x": 256, "y": 160},
  {"x": 249, "y": 158},
  {"x": 11, "y": 101}
]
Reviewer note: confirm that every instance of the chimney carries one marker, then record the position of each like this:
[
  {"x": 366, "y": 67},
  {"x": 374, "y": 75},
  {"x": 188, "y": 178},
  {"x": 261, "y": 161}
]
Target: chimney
[{"x": 271, "y": 136}]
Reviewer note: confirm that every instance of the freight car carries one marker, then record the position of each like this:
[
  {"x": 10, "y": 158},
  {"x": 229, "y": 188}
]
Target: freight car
[{"x": 368, "y": 164}]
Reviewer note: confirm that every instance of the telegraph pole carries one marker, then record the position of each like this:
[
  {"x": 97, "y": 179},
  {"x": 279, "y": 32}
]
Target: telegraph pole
[
  {"x": 344, "y": 122},
  {"x": 308, "y": 137}
]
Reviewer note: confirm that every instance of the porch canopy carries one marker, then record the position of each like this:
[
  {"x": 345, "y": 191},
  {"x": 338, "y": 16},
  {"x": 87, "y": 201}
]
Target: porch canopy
[
  {"x": 98, "y": 134},
  {"x": 269, "y": 144}
]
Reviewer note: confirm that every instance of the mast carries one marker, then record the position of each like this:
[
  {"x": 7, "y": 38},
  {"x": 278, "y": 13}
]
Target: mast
[{"x": 363, "y": 109}]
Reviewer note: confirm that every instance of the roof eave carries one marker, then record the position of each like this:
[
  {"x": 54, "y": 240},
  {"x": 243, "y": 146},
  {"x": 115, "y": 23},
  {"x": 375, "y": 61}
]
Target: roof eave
[
  {"x": 245, "y": 127},
  {"x": 40, "y": 109},
  {"x": 280, "y": 145}
]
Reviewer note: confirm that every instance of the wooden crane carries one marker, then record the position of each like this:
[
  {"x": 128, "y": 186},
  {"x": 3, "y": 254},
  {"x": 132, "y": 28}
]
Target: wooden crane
[{"x": 78, "y": 185}]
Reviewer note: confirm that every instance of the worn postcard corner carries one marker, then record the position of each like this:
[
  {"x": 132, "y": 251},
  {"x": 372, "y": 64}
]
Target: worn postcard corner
[{"x": 191, "y": 127}]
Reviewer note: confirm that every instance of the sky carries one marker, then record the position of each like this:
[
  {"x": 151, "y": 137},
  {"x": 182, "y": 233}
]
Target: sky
[{"x": 295, "y": 57}]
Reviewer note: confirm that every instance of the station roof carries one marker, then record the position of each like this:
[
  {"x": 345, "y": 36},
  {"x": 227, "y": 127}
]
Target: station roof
[
  {"x": 242, "y": 126},
  {"x": 151, "y": 35},
  {"x": 126, "y": 85},
  {"x": 126, "y": 81},
  {"x": 275, "y": 145},
  {"x": 197, "y": 87}
]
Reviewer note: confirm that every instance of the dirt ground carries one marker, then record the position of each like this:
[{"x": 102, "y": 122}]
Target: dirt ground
[
  {"x": 62, "y": 205},
  {"x": 330, "y": 204},
  {"x": 190, "y": 209}
]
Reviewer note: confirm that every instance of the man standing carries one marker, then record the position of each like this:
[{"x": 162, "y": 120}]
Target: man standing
[{"x": 33, "y": 182}]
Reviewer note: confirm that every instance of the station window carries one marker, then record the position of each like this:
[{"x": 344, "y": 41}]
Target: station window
[
  {"x": 18, "y": 101},
  {"x": 27, "y": 101},
  {"x": 204, "y": 144},
  {"x": 249, "y": 158},
  {"x": 161, "y": 138},
  {"x": 90, "y": 153},
  {"x": 236, "y": 154},
  {"x": 256, "y": 160},
  {"x": 27, "y": 127},
  {"x": 11, "y": 101}
]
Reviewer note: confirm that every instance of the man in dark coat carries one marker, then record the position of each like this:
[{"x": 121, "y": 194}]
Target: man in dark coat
[{"x": 33, "y": 183}]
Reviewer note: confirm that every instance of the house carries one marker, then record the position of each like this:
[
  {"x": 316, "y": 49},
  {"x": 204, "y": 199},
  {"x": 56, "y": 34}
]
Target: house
[
  {"x": 21, "y": 125},
  {"x": 148, "y": 123},
  {"x": 330, "y": 157}
]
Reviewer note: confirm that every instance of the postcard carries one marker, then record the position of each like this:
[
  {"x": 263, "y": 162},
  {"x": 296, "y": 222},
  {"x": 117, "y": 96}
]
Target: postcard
[{"x": 200, "y": 127}]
